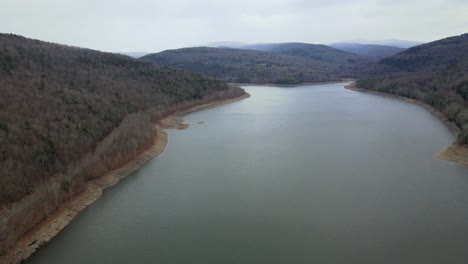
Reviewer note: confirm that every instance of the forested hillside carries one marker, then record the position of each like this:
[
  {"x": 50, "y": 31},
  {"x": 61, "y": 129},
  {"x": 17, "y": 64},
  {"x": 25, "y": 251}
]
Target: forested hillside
[
  {"x": 435, "y": 73},
  {"x": 369, "y": 50},
  {"x": 315, "y": 52},
  {"x": 291, "y": 63},
  {"x": 57, "y": 102}
]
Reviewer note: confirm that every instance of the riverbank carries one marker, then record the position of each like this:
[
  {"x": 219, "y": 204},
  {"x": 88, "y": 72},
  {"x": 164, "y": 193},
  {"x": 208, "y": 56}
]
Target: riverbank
[
  {"x": 94, "y": 189},
  {"x": 454, "y": 153},
  {"x": 292, "y": 85}
]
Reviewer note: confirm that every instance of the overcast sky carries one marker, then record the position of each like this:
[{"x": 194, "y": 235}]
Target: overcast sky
[{"x": 155, "y": 25}]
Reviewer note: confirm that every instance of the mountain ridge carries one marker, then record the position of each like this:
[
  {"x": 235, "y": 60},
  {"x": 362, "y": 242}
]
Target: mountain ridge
[
  {"x": 291, "y": 63},
  {"x": 374, "y": 51}
]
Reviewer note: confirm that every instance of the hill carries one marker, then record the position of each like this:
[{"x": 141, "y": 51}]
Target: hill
[
  {"x": 369, "y": 50},
  {"x": 435, "y": 73},
  {"x": 399, "y": 43},
  {"x": 270, "y": 63},
  {"x": 58, "y": 102},
  {"x": 314, "y": 52}
]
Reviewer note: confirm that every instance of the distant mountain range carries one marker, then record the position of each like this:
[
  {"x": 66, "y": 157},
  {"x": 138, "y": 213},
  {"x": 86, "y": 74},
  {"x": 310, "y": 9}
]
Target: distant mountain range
[
  {"x": 404, "y": 44},
  {"x": 372, "y": 49},
  {"x": 399, "y": 43},
  {"x": 225, "y": 44},
  {"x": 369, "y": 50},
  {"x": 282, "y": 63},
  {"x": 376, "y": 49}
]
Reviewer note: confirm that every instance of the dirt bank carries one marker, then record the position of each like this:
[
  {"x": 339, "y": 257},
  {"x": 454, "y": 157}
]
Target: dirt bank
[
  {"x": 55, "y": 222},
  {"x": 454, "y": 153}
]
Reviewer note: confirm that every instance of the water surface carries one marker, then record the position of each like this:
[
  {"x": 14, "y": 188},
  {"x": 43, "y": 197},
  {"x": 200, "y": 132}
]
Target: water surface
[{"x": 312, "y": 174}]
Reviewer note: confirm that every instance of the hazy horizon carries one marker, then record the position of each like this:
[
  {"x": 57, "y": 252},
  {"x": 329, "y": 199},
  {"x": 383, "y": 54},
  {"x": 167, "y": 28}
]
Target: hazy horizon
[{"x": 152, "y": 26}]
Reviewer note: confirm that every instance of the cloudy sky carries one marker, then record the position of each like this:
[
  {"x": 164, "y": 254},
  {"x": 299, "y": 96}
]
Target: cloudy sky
[{"x": 155, "y": 25}]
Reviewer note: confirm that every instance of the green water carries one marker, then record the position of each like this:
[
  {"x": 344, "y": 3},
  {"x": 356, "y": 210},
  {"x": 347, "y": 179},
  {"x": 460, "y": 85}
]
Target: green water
[{"x": 312, "y": 174}]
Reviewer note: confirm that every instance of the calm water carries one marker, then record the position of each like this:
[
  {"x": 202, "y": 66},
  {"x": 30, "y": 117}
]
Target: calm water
[{"x": 313, "y": 174}]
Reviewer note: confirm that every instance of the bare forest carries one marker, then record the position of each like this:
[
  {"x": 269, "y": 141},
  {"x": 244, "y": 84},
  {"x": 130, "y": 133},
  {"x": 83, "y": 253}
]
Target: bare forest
[{"x": 58, "y": 102}]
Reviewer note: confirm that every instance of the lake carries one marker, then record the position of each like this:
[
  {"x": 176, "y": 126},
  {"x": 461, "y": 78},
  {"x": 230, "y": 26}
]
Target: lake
[{"x": 310, "y": 174}]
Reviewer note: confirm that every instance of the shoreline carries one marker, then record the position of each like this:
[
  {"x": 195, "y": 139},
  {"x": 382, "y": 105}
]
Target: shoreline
[
  {"x": 453, "y": 153},
  {"x": 68, "y": 211},
  {"x": 344, "y": 80}
]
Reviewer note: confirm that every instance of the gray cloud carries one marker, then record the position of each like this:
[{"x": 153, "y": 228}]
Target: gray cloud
[{"x": 154, "y": 25}]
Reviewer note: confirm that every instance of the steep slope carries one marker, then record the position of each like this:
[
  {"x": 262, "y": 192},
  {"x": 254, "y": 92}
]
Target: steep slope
[
  {"x": 369, "y": 50},
  {"x": 283, "y": 65},
  {"x": 57, "y": 102},
  {"x": 435, "y": 73}
]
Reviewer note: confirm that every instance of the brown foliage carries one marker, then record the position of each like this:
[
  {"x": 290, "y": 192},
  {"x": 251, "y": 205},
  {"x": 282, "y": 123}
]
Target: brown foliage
[{"x": 57, "y": 102}]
